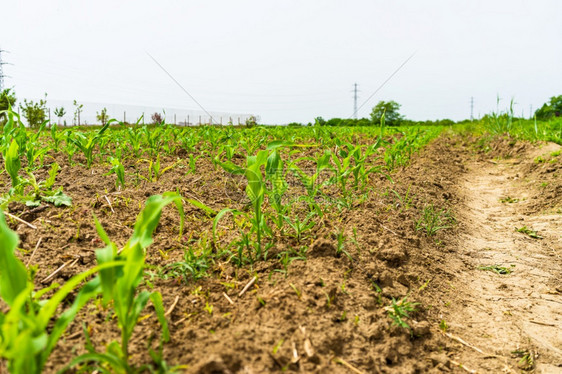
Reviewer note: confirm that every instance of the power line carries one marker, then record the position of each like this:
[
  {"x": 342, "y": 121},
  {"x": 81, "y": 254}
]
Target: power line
[
  {"x": 180, "y": 86},
  {"x": 386, "y": 81}
]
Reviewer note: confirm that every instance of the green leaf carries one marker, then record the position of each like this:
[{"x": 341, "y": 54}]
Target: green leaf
[
  {"x": 13, "y": 275},
  {"x": 138, "y": 305},
  {"x": 107, "y": 276},
  {"x": 50, "y": 307},
  {"x": 230, "y": 167},
  {"x": 101, "y": 232},
  {"x": 148, "y": 219},
  {"x": 89, "y": 291},
  {"x": 276, "y": 144},
  {"x": 210, "y": 211},
  {"x": 52, "y": 175},
  {"x": 156, "y": 299},
  {"x": 12, "y": 162},
  {"x": 219, "y": 216},
  {"x": 58, "y": 199},
  {"x": 112, "y": 360}
]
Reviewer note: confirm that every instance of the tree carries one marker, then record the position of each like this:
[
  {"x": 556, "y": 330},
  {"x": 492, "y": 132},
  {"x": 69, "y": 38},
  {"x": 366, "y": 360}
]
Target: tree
[
  {"x": 390, "y": 111},
  {"x": 77, "y": 111},
  {"x": 34, "y": 112},
  {"x": 552, "y": 108},
  {"x": 251, "y": 121},
  {"x": 319, "y": 121},
  {"x": 7, "y": 100},
  {"x": 102, "y": 116},
  {"x": 334, "y": 122},
  {"x": 60, "y": 112},
  {"x": 157, "y": 118}
]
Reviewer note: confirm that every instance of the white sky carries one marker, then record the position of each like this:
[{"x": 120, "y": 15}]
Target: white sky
[{"x": 288, "y": 60}]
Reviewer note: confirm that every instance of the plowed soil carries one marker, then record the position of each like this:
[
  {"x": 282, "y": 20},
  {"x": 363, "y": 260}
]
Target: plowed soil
[{"x": 330, "y": 312}]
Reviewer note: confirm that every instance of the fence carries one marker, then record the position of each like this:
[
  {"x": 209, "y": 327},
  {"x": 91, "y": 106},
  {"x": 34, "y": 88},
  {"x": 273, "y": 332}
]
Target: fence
[{"x": 88, "y": 114}]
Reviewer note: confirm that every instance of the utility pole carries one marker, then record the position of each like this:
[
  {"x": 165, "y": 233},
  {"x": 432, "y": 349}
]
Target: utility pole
[
  {"x": 355, "y": 100},
  {"x": 1, "y": 71},
  {"x": 472, "y": 108}
]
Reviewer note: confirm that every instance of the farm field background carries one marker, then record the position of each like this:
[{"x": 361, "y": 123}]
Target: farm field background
[{"x": 262, "y": 249}]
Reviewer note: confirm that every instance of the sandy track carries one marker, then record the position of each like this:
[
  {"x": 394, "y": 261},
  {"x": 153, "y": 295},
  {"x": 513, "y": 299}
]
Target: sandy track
[{"x": 521, "y": 311}]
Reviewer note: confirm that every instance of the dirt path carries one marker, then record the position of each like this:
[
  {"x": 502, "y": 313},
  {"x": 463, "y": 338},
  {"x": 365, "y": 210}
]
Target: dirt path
[{"x": 497, "y": 314}]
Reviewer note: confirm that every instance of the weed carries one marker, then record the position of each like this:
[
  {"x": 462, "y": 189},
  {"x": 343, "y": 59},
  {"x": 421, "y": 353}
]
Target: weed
[
  {"x": 529, "y": 232},
  {"x": 297, "y": 291},
  {"x": 497, "y": 269},
  {"x": 398, "y": 311},
  {"x": 509, "y": 200},
  {"x": 434, "y": 219},
  {"x": 526, "y": 359}
]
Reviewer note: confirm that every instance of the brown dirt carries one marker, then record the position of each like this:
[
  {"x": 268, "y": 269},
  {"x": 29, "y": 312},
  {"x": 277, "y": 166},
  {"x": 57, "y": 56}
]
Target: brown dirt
[
  {"x": 325, "y": 314},
  {"x": 495, "y": 314}
]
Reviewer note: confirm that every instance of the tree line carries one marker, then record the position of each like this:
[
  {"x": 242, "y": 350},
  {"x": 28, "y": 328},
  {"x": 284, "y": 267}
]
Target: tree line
[{"x": 36, "y": 112}]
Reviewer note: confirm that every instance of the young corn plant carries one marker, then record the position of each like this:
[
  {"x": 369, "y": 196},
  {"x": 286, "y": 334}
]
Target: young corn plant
[
  {"x": 275, "y": 177},
  {"x": 43, "y": 191},
  {"x": 40, "y": 191},
  {"x": 120, "y": 286},
  {"x": 312, "y": 183},
  {"x": 12, "y": 165},
  {"x": 255, "y": 191},
  {"x": 155, "y": 170},
  {"x": 300, "y": 226},
  {"x": 118, "y": 169},
  {"x": 134, "y": 140},
  {"x": 88, "y": 143},
  {"x": 30, "y": 329},
  {"x": 57, "y": 136}
]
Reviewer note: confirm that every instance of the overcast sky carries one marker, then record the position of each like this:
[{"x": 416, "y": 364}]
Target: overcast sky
[{"x": 288, "y": 60}]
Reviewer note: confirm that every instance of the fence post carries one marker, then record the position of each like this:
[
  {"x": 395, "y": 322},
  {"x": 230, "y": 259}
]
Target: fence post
[
  {"x": 143, "y": 118},
  {"x": 174, "y": 119},
  {"x": 199, "y": 120}
]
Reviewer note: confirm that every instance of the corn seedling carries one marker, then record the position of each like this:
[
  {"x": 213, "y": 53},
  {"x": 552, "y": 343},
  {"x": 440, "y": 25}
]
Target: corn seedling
[
  {"x": 255, "y": 191},
  {"x": 87, "y": 144},
  {"x": 119, "y": 170},
  {"x": 29, "y": 331},
  {"x": 13, "y": 165},
  {"x": 155, "y": 170},
  {"x": 312, "y": 183},
  {"x": 300, "y": 226},
  {"x": 41, "y": 191},
  {"x": 275, "y": 176},
  {"x": 119, "y": 285}
]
